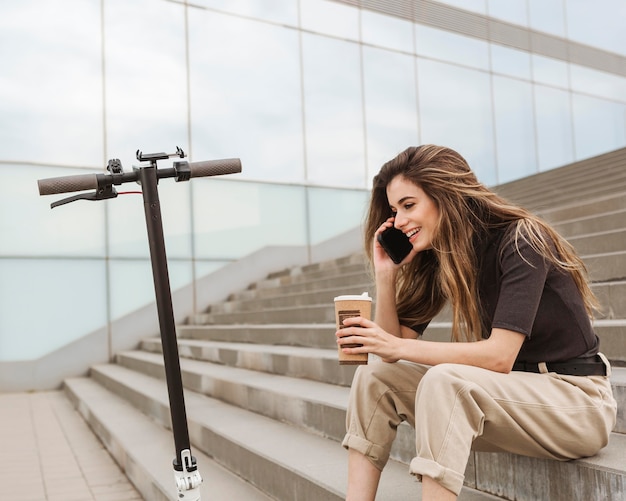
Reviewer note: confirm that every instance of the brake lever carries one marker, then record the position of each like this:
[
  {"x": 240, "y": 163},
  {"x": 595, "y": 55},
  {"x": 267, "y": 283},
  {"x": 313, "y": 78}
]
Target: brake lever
[{"x": 96, "y": 195}]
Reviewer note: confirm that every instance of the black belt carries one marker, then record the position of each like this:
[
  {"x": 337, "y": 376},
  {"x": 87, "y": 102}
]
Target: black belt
[{"x": 593, "y": 366}]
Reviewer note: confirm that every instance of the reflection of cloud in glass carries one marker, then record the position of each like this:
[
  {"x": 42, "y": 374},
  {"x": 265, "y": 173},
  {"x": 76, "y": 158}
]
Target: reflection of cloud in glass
[
  {"x": 390, "y": 105},
  {"x": 145, "y": 78},
  {"x": 281, "y": 11},
  {"x": 246, "y": 95},
  {"x": 333, "y": 112},
  {"x": 330, "y": 18},
  {"x": 455, "y": 110},
  {"x": 386, "y": 31},
  {"x": 51, "y": 93},
  {"x": 600, "y": 24}
]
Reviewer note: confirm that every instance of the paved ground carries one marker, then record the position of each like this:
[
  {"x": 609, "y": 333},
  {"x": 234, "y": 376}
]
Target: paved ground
[{"x": 48, "y": 453}]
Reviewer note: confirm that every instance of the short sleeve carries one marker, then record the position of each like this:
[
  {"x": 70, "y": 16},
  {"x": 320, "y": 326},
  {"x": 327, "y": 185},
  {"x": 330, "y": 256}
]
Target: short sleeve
[{"x": 523, "y": 277}]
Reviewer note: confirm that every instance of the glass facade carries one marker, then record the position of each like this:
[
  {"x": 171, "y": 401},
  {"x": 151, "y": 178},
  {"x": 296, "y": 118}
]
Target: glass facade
[{"x": 312, "y": 95}]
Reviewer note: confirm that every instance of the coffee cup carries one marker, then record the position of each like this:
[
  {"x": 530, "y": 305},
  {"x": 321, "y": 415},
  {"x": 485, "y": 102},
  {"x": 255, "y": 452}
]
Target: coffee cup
[{"x": 348, "y": 306}]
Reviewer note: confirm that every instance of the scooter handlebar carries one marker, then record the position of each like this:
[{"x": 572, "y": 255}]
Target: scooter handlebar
[
  {"x": 66, "y": 184},
  {"x": 215, "y": 167}
]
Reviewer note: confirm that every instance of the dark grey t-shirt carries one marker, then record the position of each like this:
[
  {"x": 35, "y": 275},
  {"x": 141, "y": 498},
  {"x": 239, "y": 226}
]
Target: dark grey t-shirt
[{"x": 531, "y": 296}]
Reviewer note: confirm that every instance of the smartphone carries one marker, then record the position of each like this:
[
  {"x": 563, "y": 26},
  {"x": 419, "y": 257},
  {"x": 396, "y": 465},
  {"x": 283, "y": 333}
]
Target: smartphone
[{"x": 395, "y": 243}]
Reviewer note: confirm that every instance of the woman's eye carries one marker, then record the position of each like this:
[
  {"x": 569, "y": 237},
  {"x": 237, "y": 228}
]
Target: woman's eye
[{"x": 408, "y": 206}]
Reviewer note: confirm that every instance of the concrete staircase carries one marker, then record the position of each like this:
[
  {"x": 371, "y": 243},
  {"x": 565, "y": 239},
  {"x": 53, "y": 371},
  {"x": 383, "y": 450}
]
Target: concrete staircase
[{"x": 266, "y": 398}]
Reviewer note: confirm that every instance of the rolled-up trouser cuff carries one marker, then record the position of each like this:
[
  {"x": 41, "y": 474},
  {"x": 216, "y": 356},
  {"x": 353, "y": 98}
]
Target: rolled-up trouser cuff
[
  {"x": 376, "y": 454},
  {"x": 451, "y": 480}
]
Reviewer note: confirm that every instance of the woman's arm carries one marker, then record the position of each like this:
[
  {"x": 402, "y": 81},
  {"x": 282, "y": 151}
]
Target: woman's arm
[
  {"x": 497, "y": 353},
  {"x": 386, "y": 272}
]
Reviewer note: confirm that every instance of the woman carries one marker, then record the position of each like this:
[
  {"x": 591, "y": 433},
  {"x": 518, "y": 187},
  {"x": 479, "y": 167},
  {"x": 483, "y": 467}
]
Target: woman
[{"x": 524, "y": 376}]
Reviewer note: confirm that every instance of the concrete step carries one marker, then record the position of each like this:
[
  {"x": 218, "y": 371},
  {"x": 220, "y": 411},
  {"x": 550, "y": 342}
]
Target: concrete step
[
  {"x": 608, "y": 266},
  {"x": 287, "y": 463},
  {"x": 587, "y": 179},
  {"x": 284, "y": 297},
  {"x": 605, "y": 469},
  {"x": 345, "y": 281},
  {"x": 585, "y": 208},
  {"x": 612, "y": 334},
  {"x": 145, "y": 449},
  {"x": 594, "y": 223},
  {"x": 312, "y": 405},
  {"x": 599, "y": 243},
  {"x": 316, "y": 364},
  {"x": 612, "y": 297},
  {"x": 312, "y": 335}
]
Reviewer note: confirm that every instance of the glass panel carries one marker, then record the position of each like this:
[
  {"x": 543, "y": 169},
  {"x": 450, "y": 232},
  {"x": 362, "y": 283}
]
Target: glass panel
[
  {"x": 333, "y": 112},
  {"x": 128, "y": 235},
  {"x": 512, "y": 11},
  {"x": 451, "y": 47},
  {"x": 515, "y": 131},
  {"x": 600, "y": 24},
  {"x": 554, "y": 127},
  {"x": 511, "y": 62},
  {"x": 132, "y": 283},
  {"x": 51, "y": 92},
  {"x": 598, "y": 126},
  {"x": 61, "y": 301},
  {"x": 28, "y": 225},
  {"x": 390, "y": 105},
  {"x": 386, "y": 31},
  {"x": 233, "y": 219},
  {"x": 455, "y": 110},
  {"x": 204, "y": 268},
  {"x": 330, "y": 18},
  {"x": 474, "y": 5},
  {"x": 145, "y": 78},
  {"x": 280, "y": 11},
  {"x": 547, "y": 16},
  {"x": 600, "y": 83},
  {"x": 550, "y": 71},
  {"x": 246, "y": 95},
  {"x": 333, "y": 212}
]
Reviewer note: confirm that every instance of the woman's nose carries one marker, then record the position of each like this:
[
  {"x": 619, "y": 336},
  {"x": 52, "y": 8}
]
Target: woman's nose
[{"x": 399, "y": 221}]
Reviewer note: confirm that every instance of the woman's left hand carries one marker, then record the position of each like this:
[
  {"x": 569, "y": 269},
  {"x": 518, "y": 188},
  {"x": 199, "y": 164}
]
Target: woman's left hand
[{"x": 374, "y": 339}]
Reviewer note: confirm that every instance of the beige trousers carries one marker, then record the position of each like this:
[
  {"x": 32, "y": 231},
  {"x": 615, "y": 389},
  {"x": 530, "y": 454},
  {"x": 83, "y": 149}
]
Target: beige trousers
[{"x": 458, "y": 408}]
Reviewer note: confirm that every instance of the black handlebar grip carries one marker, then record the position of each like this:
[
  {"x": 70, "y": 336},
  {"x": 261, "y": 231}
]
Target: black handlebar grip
[
  {"x": 67, "y": 184},
  {"x": 215, "y": 167}
]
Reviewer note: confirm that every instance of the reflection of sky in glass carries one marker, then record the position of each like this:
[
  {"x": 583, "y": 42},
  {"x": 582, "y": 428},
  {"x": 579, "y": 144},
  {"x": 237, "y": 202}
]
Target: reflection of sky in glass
[
  {"x": 511, "y": 62},
  {"x": 547, "y": 16},
  {"x": 512, "y": 11},
  {"x": 455, "y": 110},
  {"x": 280, "y": 11},
  {"x": 554, "y": 127},
  {"x": 439, "y": 44},
  {"x": 51, "y": 91},
  {"x": 600, "y": 24},
  {"x": 333, "y": 112},
  {"x": 550, "y": 71},
  {"x": 390, "y": 105},
  {"x": 145, "y": 78},
  {"x": 246, "y": 95},
  {"x": 598, "y": 126},
  {"x": 34, "y": 312},
  {"x": 514, "y": 128},
  {"x": 31, "y": 228},
  {"x": 586, "y": 80},
  {"x": 330, "y": 18},
  {"x": 386, "y": 31}
]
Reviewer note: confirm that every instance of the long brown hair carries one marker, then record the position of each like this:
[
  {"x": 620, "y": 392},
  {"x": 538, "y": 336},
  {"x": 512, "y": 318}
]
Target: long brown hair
[{"x": 447, "y": 272}]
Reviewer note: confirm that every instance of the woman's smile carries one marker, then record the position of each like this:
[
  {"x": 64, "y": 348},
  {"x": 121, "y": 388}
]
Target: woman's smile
[{"x": 416, "y": 214}]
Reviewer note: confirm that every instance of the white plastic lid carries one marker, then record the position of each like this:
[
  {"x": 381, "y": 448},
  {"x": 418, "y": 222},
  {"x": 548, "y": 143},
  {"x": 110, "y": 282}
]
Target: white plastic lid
[{"x": 354, "y": 297}]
